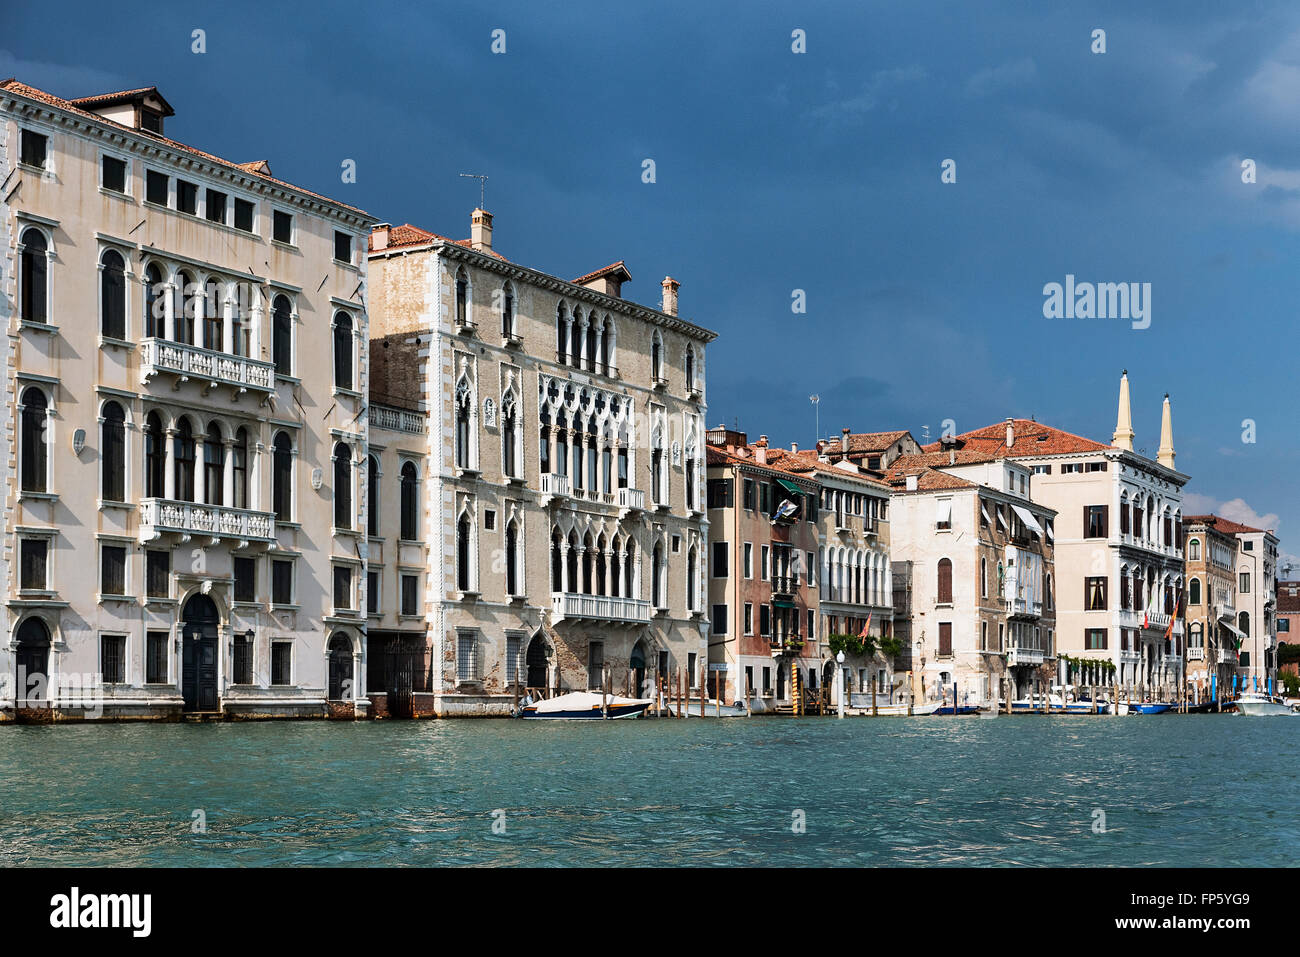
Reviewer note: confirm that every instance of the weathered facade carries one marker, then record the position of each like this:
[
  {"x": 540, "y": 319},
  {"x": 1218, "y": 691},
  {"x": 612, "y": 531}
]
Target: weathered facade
[
  {"x": 1211, "y": 611},
  {"x": 561, "y": 529},
  {"x": 184, "y": 374}
]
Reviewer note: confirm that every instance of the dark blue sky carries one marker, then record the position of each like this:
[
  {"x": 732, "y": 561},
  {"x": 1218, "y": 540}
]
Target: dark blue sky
[{"x": 820, "y": 172}]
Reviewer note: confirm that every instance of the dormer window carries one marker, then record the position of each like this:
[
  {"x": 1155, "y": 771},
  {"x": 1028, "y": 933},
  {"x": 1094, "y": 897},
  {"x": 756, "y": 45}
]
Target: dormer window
[{"x": 151, "y": 120}]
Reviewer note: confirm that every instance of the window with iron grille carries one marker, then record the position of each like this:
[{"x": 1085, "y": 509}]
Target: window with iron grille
[
  {"x": 281, "y": 662},
  {"x": 245, "y": 579},
  {"x": 155, "y": 660},
  {"x": 243, "y": 671},
  {"x": 112, "y": 658},
  {"x": 112, "y": 559},
  {"x": 158, "y": 569},
  {"x": 466, "y": 656},
  {"x": 512, "y": 659}
]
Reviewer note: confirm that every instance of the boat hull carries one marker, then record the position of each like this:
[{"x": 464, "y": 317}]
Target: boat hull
[
  {"x": 582, "y": 705},
  {"x": 1262, "y": 707},
  {"x": 1150, "y": 707},
  {"x": 711, "y": 710}
]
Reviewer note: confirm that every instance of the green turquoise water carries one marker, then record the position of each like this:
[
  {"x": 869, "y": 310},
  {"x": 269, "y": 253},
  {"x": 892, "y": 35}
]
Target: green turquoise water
[{"x": 1025, "y": 790}]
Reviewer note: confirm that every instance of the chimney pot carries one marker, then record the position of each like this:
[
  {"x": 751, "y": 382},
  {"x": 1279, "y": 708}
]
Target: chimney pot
[
  {"x": 671, "y": 286},
  {"x": 1011, "y": 432},
  {"x": 379, "y": 236},
  {"x": 480, "y": 230},
  {"x": 793, "y": 447}
]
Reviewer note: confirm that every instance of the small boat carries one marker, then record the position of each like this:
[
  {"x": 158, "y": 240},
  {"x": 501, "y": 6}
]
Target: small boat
[
  {"x": 1255, "y": 704},
  {"x": 712, "y": 709},
  {"x": 584, "y": 704},
  {"x": 959, "y": 709},
  {"x": 1150, "y": 707}
]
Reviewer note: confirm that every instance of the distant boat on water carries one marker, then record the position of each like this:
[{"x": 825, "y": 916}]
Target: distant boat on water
[
  {"x": 1256, "y": 704},
  {"x": 712, "y": 709},
  {"x": 1149, "y": 707},
  {"x": 584, "y": 704}
]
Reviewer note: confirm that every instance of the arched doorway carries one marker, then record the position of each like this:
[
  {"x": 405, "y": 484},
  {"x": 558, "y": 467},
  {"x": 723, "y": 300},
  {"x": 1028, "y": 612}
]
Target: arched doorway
[
  {"x": 537, "y": 661},
  {"x": 33, "y": 662},
  {"x": 637, "y": 666},
  {"x": 340, "y": 668},
  {"x": 199, "y": 624}
]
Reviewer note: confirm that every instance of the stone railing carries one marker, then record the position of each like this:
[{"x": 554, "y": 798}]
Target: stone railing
[
  {"x": 193, "y": 362},
  {"x": 1025, "y": 656},
  {"x": 599, "y": 608},
  {"x": 159, "y": 515},
  {"x": 398, "y": 420}
]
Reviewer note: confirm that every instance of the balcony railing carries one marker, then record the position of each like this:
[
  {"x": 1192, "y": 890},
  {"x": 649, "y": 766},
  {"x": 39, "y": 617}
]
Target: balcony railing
[
  {"x": 631, "y": 498},
  {"x": 633, "y": 611},
  {"x": 553, "y": 485},
  {"x": 1129, "y": 618},
  {"x": 1227, "y": 656},
  {"x": 1023, "y": 606},
  {"x": 398, "y": 420},
  {"x": 1025, "y": 656},
  {"x": 158, "y": 515},
  {"x": 193, "y": 362},
  {"x": 785, "y": 584},
  {"x": 1195, "y": 654}
]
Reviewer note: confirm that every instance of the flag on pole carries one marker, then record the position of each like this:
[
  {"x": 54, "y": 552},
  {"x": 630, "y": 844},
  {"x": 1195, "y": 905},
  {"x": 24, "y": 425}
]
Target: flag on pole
[
  {"x": 785, "y": 510},
  {"x": 866, "y": 629},
  {"x": 1169, "y": 628}
]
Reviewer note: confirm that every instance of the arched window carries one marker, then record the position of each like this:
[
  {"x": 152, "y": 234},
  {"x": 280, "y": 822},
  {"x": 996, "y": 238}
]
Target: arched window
[
  {"x": 282, "y": 335},
  {"x": 189, "y": 308},
  {"x": 112, "y": 453},
  {"x": 155, "y": 310},
  {"x": 629, "y": 570},
  {"x": 1194, "y": 550},
  {"x": 33, "y": 278},
  {"x": 464, "y": 554},
  {"x": 462, "y": 296},
  {"x": 508, "y": 310},
  {"x": 342, "y": 350},
  {"x": 372, "y": 496},
  {"x": 690, "y": 368},
  {"x": 657, "y": 357},
  {"x": 1194, "y": 592},
  {"x": 464, "y": 434},
  {"x": 35, "y": 454},
  {"x": 342, "y": 485},
  {"x": 575, "y": 340},
  {"x": 944, "y": 590},
  {"x": 282, "y": 477},
  {"x": 572, "y": 582},
  {"x": 183, "y": 456},
  {"x": 1197, "y": 639},
  {"x": 690, "y": 579},
  {"x": 656, "y": 583},
  {"x": 591, "y": 343},
  {"x": 588, "y": 559},
  {"x": 214, "y": 466},
  {"x": 557, "y": 561},
  {"x": 690, "y": 478},
  {"x": 214, "y": 324},
  {"x": 512, "y": 559},
  {"x": 1243, "y": 623},
  {"x": 112, "y": 295},
  {"x": 509, "y": 436},
  {"x": 607, "y": 347},
  {"x": 561, "y": 340},
  {"x": 155, "y": 457},
  {"x": 409, "y": 530},
  {"x": 239, "y": 465},
  {"x": 561, "y": 463}
]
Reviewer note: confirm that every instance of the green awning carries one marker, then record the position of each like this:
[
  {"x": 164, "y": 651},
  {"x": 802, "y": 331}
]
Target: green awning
[
  {"x": 783, "y": 604},
  {"x": 791, "y": 487}
]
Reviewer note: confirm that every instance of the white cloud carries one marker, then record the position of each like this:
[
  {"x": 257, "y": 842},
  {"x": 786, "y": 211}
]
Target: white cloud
[
  {"x": 1234, "y": 510},
  {"x": 991, "y": 79},
  {"x": 882, "y": 87}
]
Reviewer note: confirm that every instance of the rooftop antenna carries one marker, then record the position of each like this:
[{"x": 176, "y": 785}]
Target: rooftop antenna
[
  {"x": 815, "y": 399},
  {"x": 482, "y": 186}
]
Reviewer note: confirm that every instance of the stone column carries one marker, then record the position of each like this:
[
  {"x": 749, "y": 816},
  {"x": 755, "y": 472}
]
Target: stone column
[
  {"x": 228, "y": 320},
  {"x": 200, "y": 470},
  {"x": 228, "y": 478},
  {"x": 568, "y": 339},
  {"x": 169, "y": 466},
  {"x": 169, "y": 311}
]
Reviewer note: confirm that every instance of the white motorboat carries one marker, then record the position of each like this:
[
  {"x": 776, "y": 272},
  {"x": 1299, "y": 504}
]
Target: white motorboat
[
  {"x": 584, "y": 704},
  {"x": 1256, "y": 704}
]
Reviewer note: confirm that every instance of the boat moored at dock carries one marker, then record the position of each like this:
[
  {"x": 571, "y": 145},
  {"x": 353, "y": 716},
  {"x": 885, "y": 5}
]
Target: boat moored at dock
[{"x": 584, "y": 704}]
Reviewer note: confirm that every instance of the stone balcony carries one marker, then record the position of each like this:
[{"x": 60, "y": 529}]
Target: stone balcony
[
  {"x": 215, "y": 522},
  {"x": 628, "y": 611},
  {"x": 1025, "y": 656},
  {"x": 1195, "y": 654},
  {"x": 1023, "y": 607},
  {"x": 184, "y": 362}
]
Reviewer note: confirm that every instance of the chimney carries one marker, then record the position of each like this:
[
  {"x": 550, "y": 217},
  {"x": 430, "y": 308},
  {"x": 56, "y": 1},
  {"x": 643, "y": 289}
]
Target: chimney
[
  {"x": 952, "y": 456},
  {"x": 794, "y": 448},
  {"x": 379, "y": 236},
  {"x": 1011, "y": 432},
  {"x": 671, "y": 286},
  {"x": 1123, "y": 437},
  {"x": 844, "y": 442},
  {"x": 760, "y": 450},
  {"x": 911, "y": 482},
  {"x": 1166, "y": 454},
  {"x": 480, "y": 230}
]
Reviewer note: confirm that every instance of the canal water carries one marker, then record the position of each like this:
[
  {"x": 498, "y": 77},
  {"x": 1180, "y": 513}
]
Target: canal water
[{"x": 1167, "y": 790}]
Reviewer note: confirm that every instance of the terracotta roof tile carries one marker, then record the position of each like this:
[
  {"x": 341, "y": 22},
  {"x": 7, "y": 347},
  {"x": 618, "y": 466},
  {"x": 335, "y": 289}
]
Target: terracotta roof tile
[
  {"x": 49, "y": 99},
  {"x": 603, "y": 271},
  {"x": 865, "y": 442},
  {"x": 409, "y": 235},
  {"x": 1220, "y": 523},
  {"x": 1031, "y": 438}
]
